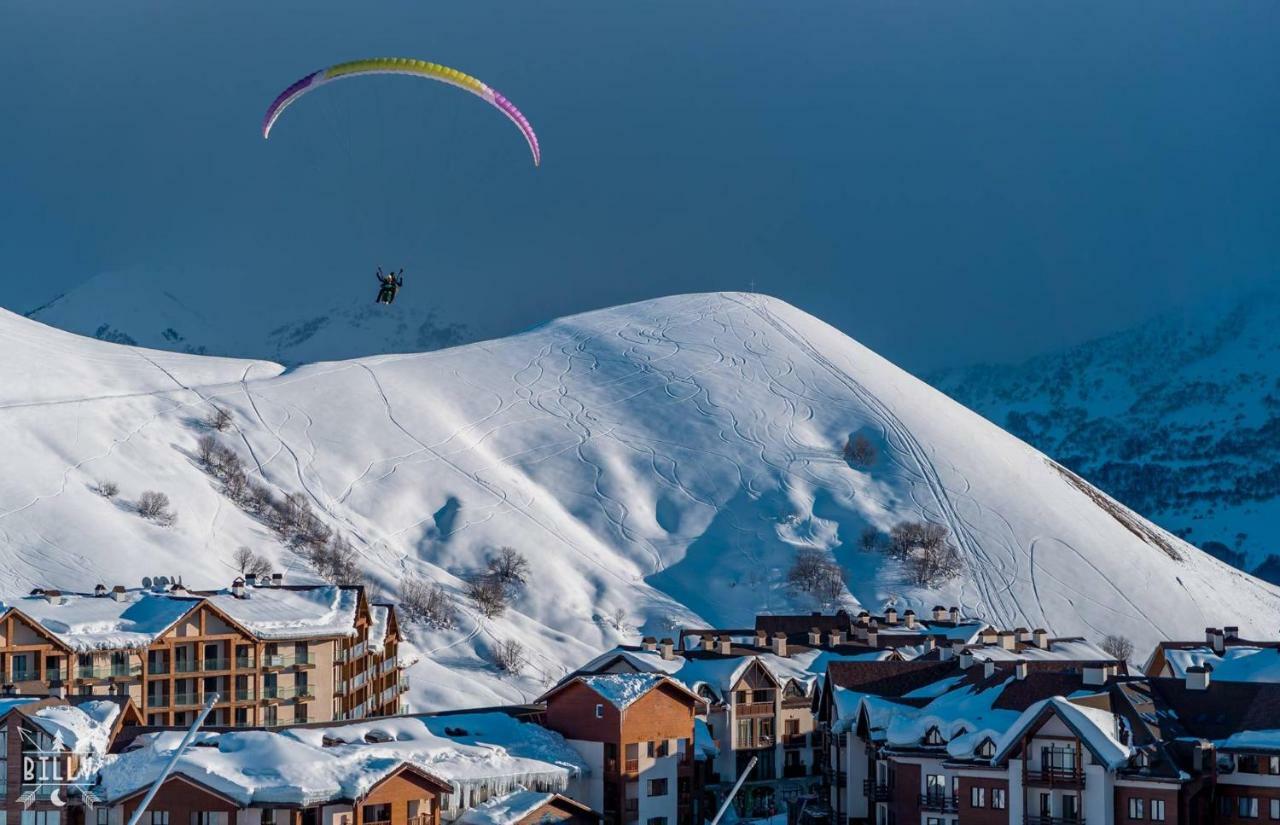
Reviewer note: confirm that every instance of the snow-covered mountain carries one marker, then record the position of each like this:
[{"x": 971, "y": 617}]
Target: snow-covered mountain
[
  {"x": 145, "y": 308},
  {"x": 662, "y": 461},
  {"x": 1178, "y": 418}
]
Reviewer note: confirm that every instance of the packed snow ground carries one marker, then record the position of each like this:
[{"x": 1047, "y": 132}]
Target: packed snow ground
[{"x": 663, "y": 459}]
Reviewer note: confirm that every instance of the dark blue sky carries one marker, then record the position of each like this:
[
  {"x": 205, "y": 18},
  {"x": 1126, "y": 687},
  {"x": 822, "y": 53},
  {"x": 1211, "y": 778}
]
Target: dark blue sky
[{"x": 945, "y": 181}]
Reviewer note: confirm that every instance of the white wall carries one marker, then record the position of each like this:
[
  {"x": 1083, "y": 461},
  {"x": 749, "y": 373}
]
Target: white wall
[{"x": 589, "y": 790}]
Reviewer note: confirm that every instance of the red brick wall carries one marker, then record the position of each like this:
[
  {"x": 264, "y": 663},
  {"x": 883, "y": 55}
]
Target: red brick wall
[
  {"x": 572, "y": 713},
  {"x": 1263, "y": 795},
  {"x": 662, "y": 713},
  {"x": 986, "y": 815}
]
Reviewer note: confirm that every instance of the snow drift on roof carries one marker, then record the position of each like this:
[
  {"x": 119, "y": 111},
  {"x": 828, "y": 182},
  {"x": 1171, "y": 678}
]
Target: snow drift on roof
[
  {"x": 622, "y": 689},
  {"x": 506, "y": 809},
  {"x": 86, "y": 623},
  {"x": 289, "y": 613},
  {"x": 1095, "y": 727},
  {"x": 1235, "y": 664}
]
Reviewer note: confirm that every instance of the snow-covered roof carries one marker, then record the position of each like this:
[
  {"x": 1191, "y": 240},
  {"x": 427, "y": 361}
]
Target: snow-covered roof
[
  {"x": 85, "y": 622},
  {"x": 84, "y": 728},
  {"x": 964, "y": 717},
  {"x": 1096, "y": 728},
  {"x": 285, "y": 613},
  {"x": 1238, "y": 663},
  {"x": 1267, "y": 741},
  {"x": 622, "y": 689},
  {"x": 484, "y": 752},
  {"x": 379, "y": 615},
  {"x": 1059, "y": 650},
  {"x": 508, "y": 808}
]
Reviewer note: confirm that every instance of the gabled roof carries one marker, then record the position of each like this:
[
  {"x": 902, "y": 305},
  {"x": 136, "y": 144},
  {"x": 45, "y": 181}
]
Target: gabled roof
[
  {"x": 1096, "y": 729},
  {"x": 888, "y": 678},
  {"x": 1221, "y": 710},
  {"x": 624, "y": 689}
]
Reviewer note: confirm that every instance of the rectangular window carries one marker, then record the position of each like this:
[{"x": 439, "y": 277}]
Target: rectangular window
[
  {"x": 1275, "y": 809},
  {"x": 40, "y": 817},
  {"x": 1224, "y": 805},
  {"x": 1248, "y": 807},
  {"x": 1273, "y": 764},
  {"x": 205, "y": 818},
  {"x": 1135, "y": 808},
  {"x": 1070, "y": 807},
  {"x": 599, "y": 711},
  {"x": 977, "y": 797},
  {"x": 745, "y": 731},
  {"x": 933, "y": 820},
  {"x": 1046, "y": 801},
  {"x": 159, "y": 817},
  {"x": 657, "y": 787},
  {"x": 268, "y": 816},
  {"x": 102, "y": 815},
  {"x": 999, "y": 799},
  {"x": 1157, "y": 810},
  {"x": 376, "y": 813}
]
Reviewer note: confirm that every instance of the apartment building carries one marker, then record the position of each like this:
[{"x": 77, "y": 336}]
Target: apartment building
[
  {"x": 636, "y": 731},
  {"x": 274, "y": 654},
  {"x": 1222, "y": 648}
]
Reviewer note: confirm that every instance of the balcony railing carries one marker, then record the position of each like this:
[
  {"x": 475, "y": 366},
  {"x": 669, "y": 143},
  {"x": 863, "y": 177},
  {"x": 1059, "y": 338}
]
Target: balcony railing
[
  {"x": 157, "y": 668},
  {"x": 938, "y": 802},
  {"x": 279, "y": 660},
  {"x": 876, "y": 791},
  {"x": 108, "y": 671},
  {"x": 299, "y": 692},
  {"x": 215, "y": 664},
  {"x": 244, "y": 694},
  {"x": 754, "y": 709},
  {"x": 184, "y": 666},
  {"x": 244, "y": 663},
  {"x": 420, "y": 819},
  {"x": 631, "y": 766},
  {"x": 1053, "y": 820},
  {"x": 184, "y": 700},
  {"x": 755, "y": 743},
  {"x": 798, "y": 740},
  {"x": 1072, "y": 777}
]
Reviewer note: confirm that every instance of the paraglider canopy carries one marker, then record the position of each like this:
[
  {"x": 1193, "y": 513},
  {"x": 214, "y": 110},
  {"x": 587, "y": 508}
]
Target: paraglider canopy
[{"x": 404, "y": 66}]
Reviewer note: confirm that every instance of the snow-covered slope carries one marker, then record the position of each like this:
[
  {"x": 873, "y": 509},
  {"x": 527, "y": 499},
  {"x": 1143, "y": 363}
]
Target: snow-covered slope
[
  {"x": 1178, "y": 418},
  {"x": 146, "y": 308},
  {"x": 664, "y": 459}
]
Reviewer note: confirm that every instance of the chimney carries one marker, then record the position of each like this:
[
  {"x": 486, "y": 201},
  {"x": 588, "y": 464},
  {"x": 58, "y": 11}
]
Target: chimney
[
  {"x": 988, "y": 669},
  {"x": 119, "y": 593},
  {"x": 99, "y": 590},
  {"x": 251, "y": 579},
  {"x": 909, "y": 619},
  {"x": 860, "y": 631},
  {"x": 780, "y": 644},
  {"x": 667, "y": 648},
  {"x": 1023, "y": 634},
  {"x": 955, "y": 615},
  {"x": 277, "y": 579},
  {"x": 873, "y": 633},
  {"x": 1198, "y": 677},
  {"x": 948, "y": 653},
  {"x": 929, "y": 643},
  {"x": 815, "y": 637},
  {"x": 725, "y": 644},
  {"x": 939, "y": 613},
  {"x": 1231, "y": 632},
  {"x": 1041, "y": 638},
  {"x": 1020, "y": 669},
  {"x": 1007, "y": 640},
  {"x": 835, "y": 637},
  {"x": 237, "y": 588},
  {"x": 649, "y": 644},
  {"x": 708, "y": 642},
  {"x": 1202, "y": 757},
  {"x": 54, "y": 597},
  {"x": 890, "y": 615},
  {"x": 1095, "y": 675},
  {"x": 966, "y": 659}
]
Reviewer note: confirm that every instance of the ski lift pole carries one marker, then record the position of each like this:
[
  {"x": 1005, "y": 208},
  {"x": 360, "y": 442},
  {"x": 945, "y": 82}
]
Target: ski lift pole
[
  {"x": 742, "y": 777},
  {"x": 209, "y": 702}
]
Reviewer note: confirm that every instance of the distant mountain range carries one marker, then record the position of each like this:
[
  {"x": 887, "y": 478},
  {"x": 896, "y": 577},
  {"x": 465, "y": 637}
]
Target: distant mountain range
[
  {"x": 144, "y": 309},
  {"x": 1179, "y": 418}
]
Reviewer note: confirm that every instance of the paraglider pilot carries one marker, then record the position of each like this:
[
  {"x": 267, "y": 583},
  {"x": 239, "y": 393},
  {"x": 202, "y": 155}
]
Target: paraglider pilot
[{"x": 390, "y": 285}]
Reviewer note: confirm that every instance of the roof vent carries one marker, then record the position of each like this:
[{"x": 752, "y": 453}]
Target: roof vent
[
  {"x": 707, "y": 642},
  {"x": 909, "y": 619},
  {"x": 1008, "y": 640},
  {"x": 780, "y": 644},
  {"x": 237, "y": 588},
  {"x": 277, "y": 579},
  {"x": 890, "y": 615},
  {"x": 1020, "y": 669},
  {"x": 835, "y": 637},
  {"x": 725, "y": 643},
  {"x": 1041, "y": 638},
  {"x": 955, "y": 614},
  {"x": 939, "y": 613},
  {"x": 966, "y": 659}
]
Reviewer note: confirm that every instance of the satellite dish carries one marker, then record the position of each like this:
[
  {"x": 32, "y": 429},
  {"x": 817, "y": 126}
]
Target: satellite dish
[{"x": 146, "y": 582}]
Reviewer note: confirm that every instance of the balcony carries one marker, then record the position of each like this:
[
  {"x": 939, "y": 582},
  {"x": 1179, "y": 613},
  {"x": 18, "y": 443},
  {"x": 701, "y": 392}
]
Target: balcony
[
  {"x": 798, "y": 740},
  {"x": 245, "y": 694},
  {"x": 278, "y": 661},
  {"x": 793, "y": 771},
  {"x": 244, "y": 663},
  {"x": 155, "y": 668},
  {"x": 186, "y": 700},
  {"x": 184, "y": 666},
  {"x": 1052, "y": 820},
  {"x": 108, "y": 672},
  {"x": 876, "y": 791},
  {"x": 754, "y": 744},
  {"x": 403, "y": 685},
  {"x": 946, "y": 803},
  {"x": 631, "y": 766},
  {"x": 300, "y": 693},
  {"x": 754, "y": 709},
  {"x": 1062, "y": 777},
  {"x": 215, "y": 664}
]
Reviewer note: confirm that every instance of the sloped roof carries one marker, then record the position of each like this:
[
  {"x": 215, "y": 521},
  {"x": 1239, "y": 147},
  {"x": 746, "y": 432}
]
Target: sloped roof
[
  {"x": 1096, "y": 728},
  {"x": 888, "y": 678},
  {"x": 1221, "y": 710}
]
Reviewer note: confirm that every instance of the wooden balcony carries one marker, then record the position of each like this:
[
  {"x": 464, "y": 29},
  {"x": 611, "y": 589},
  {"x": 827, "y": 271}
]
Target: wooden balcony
[{"x": 754, "y": 709}]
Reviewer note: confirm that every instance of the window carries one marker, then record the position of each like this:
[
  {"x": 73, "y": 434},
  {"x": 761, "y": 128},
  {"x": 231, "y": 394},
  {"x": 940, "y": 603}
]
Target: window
[
  {"x": 663, "y": 748},
  {"x": 1135, "y": 808},
  {"x": 377, "y": 813},
  {"x": 999, "y": 798},
  {"x": 40, "y": 818},
  {"x": 206, "y": 818},
  {"x": 1070, "y": 807},
  {"x": 20, "y": 669},
  {"x": 657, "y": 787},
  {"x": 1275, "y": 809},
  {"x": 159, "y": 818},
  {"x": 1248, "y": 807},
  {"x": 1273, "y": 764},
  {"x": 102, "y": 815},
  {"x": 977, "y": 797},
  {"x": 933, "y": 820},
  {"x": 986, "y": 749},
  {"x": 932, "y": 737},
  {"x": 1224, "y": 805},
  {"x": 1046, "y": 808},
  {"x": 268, "y": 816},
  {"x": 599, "y": 711},
  {"x": 1157, "y": 810},
  {"x": 657, "y": 820}
]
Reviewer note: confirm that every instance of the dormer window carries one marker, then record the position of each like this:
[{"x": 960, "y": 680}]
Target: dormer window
[
  {"x": 958, "y": 732},
  {"x": 986, "y": 749},
  {"x": 932, "y": 736},
  {"x": 1143, "y": 759}
]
